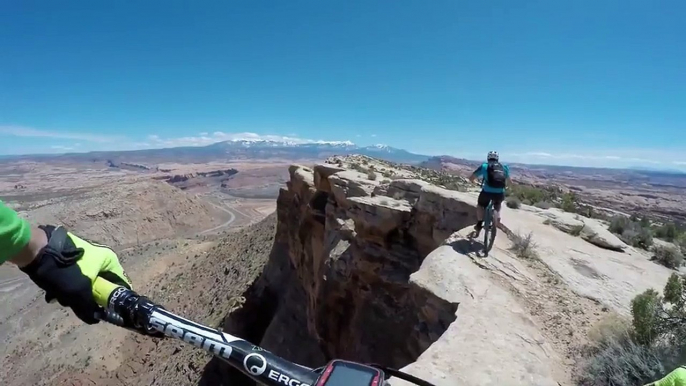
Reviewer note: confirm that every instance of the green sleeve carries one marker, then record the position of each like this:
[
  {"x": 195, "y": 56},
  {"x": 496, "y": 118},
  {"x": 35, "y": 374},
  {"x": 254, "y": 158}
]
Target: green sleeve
[
  {"x": 675, "y": 378},
  {"x": 15, "y": 233}
]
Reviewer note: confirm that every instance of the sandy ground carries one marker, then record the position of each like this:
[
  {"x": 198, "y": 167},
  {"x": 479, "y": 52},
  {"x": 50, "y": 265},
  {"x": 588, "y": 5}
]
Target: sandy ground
[{"x": 40, "y": 340}]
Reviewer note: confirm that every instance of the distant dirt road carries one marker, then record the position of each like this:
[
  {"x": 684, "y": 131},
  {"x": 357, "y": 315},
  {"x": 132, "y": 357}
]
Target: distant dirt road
[{"x": 232, "y": 219}]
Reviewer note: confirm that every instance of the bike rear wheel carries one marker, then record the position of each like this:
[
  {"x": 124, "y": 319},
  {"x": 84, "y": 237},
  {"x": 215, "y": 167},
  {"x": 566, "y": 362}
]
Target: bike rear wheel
[{"x": 489, "y": 229}]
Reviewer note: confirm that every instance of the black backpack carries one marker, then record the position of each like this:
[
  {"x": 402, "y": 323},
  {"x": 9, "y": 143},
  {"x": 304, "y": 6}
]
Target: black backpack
[{"x": 495, "y": 175}]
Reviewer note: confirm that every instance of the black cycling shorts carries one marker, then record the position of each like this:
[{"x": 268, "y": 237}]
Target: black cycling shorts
[{"x": 485, "y": 197}]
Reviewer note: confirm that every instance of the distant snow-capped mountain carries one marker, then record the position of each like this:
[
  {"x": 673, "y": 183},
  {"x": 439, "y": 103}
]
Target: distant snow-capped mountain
[
  {"x": 281, "y": 143},
  {"x": 249, "y": 149},
  {"x": 320, "y": 149}
]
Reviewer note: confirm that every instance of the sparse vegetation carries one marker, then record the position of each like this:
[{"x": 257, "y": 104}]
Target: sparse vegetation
[
  {"x": 639, "y": 231},
  {"x": 653, "y": 344},
  {"x": 447, "y": 181},
  {"x": 530, "y": 193},
  {"x": 569, "y": 202},
  {"x": 588, "y": 211},
  {"x": 371, "y": 175},
  {"x": 388, "y": 173},
  {"x": 662, "y": 319},
  {"x": 633, "y": 231},
  {"x": 611, "y": 328},
  {"x": 672, "y": 232},
  {"x": 669, "y": 231},
  {"x": 669, "y": 256},
  {"x": 358, "y": 167},
  {"x": 513, "y": 203},
  {"x": 524, "y": 246},
  {"x": 551, "y": 197},
  {"x": 682, "y": 245},
  {"x": 622, "y": 362}
]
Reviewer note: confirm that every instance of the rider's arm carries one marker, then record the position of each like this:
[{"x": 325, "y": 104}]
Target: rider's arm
[
  {"x": 676, "y": 378},
  {"x": 477, "y": 173},
  {"x": 19, "y": 243}
]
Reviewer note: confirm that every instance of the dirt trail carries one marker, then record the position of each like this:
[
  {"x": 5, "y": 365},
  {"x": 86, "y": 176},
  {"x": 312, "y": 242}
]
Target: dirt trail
[
  {"x": 562, "y": 316},
  {"x": 231, "y": 220}
]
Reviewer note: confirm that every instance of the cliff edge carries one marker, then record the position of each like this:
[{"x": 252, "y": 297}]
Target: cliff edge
[{"x": 381, "y": 270}]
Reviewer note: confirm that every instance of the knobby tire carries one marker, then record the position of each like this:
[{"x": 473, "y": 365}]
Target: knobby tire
[{"x": 489, "y": 229}]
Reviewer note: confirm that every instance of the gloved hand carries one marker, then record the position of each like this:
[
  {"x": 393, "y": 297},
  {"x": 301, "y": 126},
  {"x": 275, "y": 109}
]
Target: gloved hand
[{"x": 67, "y": 267}]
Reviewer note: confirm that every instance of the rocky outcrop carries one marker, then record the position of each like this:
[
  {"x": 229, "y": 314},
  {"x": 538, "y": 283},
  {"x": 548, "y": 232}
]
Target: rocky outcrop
[
  {"x": 350, "y": 280},
  {"x": 127, "y": 165},
  {"x": 185, "y": 177},
  {"x": 586, "y": 228}
]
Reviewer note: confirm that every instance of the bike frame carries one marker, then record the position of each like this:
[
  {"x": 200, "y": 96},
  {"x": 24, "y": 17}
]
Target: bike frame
[{"x": 254, "y": 361}]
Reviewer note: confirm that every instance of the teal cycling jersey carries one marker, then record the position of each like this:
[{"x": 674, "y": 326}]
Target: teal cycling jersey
[{"x": 481, "y": 171}]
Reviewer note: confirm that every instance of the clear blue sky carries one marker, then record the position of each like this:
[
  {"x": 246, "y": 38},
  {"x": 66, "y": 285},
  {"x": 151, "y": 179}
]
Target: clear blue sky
[{"x": 575, "y": 82}]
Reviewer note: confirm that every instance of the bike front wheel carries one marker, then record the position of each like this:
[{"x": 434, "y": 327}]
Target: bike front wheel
[{"x": 489, "y": 230}]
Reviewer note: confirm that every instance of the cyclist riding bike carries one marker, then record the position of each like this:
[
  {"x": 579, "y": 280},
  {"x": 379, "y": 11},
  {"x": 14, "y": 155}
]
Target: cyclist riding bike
[{"x": 496, "y": 177}]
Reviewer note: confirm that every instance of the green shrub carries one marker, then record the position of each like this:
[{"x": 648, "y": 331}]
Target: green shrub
[
  {"x": 625, "y": 363},
  {"x": 668, "y": 256},
  {"x": 662, "y": 319},
  {"x": 530, "y": 193},
  {"x": 371, "y": 175},
  {"x": 633, "y": 232},
  {"x": 645, "y": 309},
  {"x": 568, "y": 203},
  {"x": 513, "y": 203},
  {"x": 669, "y": 232},
  {"x": 653, "y": 345},
  {"x": 641, "y": 238},
  {"x": 618, "y": 224}
]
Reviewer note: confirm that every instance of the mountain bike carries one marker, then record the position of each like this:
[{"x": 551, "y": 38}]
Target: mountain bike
[
  {"x": 490, "y": 230},
  {"x": 127, "y": 309}
]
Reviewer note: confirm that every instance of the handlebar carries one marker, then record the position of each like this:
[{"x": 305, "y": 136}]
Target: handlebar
[{"x": 126, "y": 308}]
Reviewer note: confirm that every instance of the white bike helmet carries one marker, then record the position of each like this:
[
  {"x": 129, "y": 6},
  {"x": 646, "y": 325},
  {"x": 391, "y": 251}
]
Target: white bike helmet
[{"x": 492, "y": 156}]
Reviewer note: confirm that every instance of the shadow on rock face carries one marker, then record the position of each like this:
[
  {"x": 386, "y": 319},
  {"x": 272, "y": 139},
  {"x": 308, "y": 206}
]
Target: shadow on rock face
[
  {"x": 337, "y": 283},
  {"x": 467, "y": 246}
]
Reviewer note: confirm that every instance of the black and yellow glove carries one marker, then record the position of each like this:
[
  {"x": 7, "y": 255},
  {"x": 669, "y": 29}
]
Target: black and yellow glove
[{"x": 67, "y": 268}]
